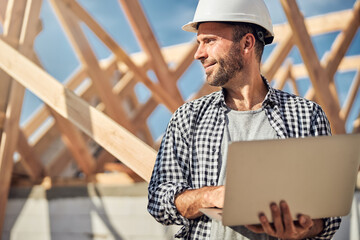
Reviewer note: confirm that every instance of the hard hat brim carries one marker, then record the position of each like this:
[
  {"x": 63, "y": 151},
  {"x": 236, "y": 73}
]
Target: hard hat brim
[
  {"x": 190, "y": 27},
  {"x": 193, "y": 27}
]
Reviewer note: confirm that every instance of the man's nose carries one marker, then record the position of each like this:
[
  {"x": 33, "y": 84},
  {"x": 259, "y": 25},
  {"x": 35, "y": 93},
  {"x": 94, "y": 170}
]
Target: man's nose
[{"x": 200, "y": 53}]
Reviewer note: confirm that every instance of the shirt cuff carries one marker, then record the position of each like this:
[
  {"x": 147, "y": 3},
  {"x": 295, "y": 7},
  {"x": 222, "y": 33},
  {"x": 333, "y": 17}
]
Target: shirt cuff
[{"x": 331, "y": 225}]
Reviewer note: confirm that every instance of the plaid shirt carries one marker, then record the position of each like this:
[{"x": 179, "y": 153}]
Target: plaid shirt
[{"x": 189, "y": 153}]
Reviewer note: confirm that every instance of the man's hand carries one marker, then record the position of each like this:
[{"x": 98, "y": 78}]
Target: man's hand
[
  {"x": 189, "y": 202},
  {"x": 283, "y": 225}
]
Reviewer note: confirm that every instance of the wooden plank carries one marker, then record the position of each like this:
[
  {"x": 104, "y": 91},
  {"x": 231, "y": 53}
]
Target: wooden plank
[
  {"x": 3, "y": 4},
  {"x": 204, "y": 90},
  {"x": 41, "y": 114},
  {"x": 30, "y": 161},
  {"x": 186, "y": 60},
  {"x": 146, "y": 134},
  {"x": 75, "y": 143},
  {"x": 145, "y": 35},
  {"x": 340, "y": 46},
  {"x": 115, "y": 139},
  {"x": 13, "y": 29},
  {"x": 11, "y": 33},
  {"x": 350, "y": 99},
  {"x": 36, "y": 120},
  {"x": 88, "y": 59},
  {"x": 59, "y": 163},
  {"x": 103, "y": 158},
  {"x": 160, "y": 94},
  {"x": 293, "y": 82},
  {"x": 326, "y": 93},
  {"x": 348, "y": 63},
  {"x": 280, "y": 82},
  {"x": 44, "y": 138},
  {"x": 8, "y": 144},
  {"x": 121, "y": 168},
  {"x": 277, "y": 57},
  {"x": 316, "y": 25},
  {"x": 142, "y": 113},
  {"x": 356, "y": 126},
  {"x": 2, "y": 119}
]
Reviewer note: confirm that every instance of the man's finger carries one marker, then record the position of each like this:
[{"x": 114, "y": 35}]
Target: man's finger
[
  {"x": 305, "y": 221},
  {"x": 266, "y": 225},
  {"x": 277, "y": 218},
  {"x": 286, "y": 214}
]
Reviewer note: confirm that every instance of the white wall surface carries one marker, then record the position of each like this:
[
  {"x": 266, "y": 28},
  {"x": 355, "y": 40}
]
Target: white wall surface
[{"x": 102, "y": 213}]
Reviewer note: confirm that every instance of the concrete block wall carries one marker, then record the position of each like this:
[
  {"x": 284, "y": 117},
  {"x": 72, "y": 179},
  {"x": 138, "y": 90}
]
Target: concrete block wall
[
  {"x": 102, "y": 213},
  {"x": 82, "y": 213}
]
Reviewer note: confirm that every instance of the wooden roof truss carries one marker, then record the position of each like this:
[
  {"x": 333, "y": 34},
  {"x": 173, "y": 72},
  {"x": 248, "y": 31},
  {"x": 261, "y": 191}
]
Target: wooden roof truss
[{"x": 95, "y": 118}]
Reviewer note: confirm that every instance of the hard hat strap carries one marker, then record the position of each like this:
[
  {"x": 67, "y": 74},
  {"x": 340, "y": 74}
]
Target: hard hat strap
[{"x": 260, "y": 36}]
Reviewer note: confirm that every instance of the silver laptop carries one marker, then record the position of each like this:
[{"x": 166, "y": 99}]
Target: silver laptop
[{"x": 315, "y": 175}]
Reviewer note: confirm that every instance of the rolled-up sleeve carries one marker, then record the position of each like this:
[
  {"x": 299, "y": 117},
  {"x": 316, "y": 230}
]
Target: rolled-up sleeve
[
  {"x": 170, "y": 175},
  {"x": 331, "y": 225}
]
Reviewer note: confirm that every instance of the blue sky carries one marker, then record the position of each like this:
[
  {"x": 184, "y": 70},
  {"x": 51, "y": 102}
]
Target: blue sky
[{"x": 166, "y": 18}]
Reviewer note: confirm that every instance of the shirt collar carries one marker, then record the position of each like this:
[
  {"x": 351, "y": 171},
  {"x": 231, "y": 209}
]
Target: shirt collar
[{"x": 271, "y": 96}]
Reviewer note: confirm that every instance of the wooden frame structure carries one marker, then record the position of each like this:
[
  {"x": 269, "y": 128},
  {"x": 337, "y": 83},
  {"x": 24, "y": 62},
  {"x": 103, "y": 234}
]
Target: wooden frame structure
[{"x": 103, "y": 126}]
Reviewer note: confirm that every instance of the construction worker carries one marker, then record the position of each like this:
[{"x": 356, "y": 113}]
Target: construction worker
[{"x": 190, "y": 166}]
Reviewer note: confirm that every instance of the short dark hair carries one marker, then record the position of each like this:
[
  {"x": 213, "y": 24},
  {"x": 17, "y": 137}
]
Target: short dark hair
[{"x": 241, "y": 29}]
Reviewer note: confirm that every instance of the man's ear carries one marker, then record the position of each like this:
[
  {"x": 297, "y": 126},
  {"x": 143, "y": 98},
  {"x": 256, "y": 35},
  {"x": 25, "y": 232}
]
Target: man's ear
[{"x": 249, "y": 42}]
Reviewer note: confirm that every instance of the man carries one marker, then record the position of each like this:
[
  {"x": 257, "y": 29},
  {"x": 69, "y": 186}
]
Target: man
[{"x": 190, "y": 166}]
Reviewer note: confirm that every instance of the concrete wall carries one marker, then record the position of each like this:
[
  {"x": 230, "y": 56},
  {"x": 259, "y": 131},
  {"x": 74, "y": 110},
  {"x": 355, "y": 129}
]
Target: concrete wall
[
  {"x": 101, "y": 213},
  {"x": 80, "y": 213}
]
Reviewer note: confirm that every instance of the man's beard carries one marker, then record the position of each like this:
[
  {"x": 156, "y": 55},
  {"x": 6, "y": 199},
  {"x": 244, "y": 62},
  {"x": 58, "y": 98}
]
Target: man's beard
[{"x": 229, "y": 66}]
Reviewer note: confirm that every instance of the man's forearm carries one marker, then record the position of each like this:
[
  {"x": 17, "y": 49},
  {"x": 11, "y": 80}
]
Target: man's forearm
[{"x": 189, "y": 202}]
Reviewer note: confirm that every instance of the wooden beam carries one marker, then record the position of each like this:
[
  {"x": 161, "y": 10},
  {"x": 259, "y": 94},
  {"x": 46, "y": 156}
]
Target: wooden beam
[
  {"x": 293, "y": 82},
  {"x": 115, "y": 139},
  {"x": 2, "y": 120},
  {"x": 326, "y": 93},
  {"x": 42, "y": 113},
  {"x": 119, "y": 167},
  {"x": 278, "y": 55},
  {"x": 145, "y": 35},
  {"x": 280, "y": 82},
  {"x": 204, "y": 90},
  {"x": 22, "y": 25},
  {"x": 88, "y": 59},
  {"x": 75, "y": 143},
  {"x": 349, "y": 63},
  {"x": 8, "y": 144},
  {"x": 36, "y": 120},
  {"x": 11, "y": 32},
  {"x": 3, "y": 4},
  {"x": 186, "y": 60},
  {"x": 103, "y": 158},
  {"x": 142, "y": 113},
  {"x": 44, "y": 138},
  {"x": 340, "y": 46},
  {"x": 356, "y": 126},
  {"x": 30, "y": 160},
  {"x": 59, "y": 163},
  {"x": 145, "y": 134},
  {"x": 159, "y": 93},
  {"x": 354, "y": 89},
  {"x": 316, "y": 25}
]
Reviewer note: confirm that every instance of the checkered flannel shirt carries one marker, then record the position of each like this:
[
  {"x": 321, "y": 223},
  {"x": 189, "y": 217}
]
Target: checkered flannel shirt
[{"x": 190, "y": 150}]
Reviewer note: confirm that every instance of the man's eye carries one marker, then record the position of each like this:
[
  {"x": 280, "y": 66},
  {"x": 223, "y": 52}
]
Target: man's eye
[{"x": 209, "y": 40}]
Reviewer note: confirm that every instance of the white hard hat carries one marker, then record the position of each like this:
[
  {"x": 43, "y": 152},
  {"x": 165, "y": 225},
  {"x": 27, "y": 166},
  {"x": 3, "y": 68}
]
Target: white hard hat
[{"x": 248, "y": 11}]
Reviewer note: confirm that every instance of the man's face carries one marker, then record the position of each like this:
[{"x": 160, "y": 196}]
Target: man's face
[{"x": 220, "y": 56}]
